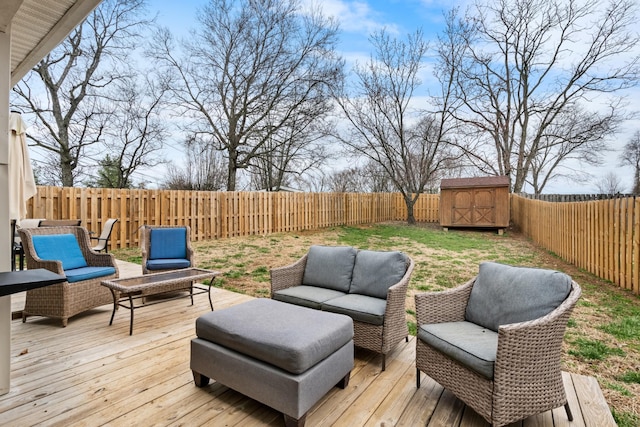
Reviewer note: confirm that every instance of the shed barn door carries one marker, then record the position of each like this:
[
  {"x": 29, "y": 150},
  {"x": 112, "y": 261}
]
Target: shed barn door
[
  {"x": 461, "y": 207},
  {"x": 474, "y": 207},
  {"x": 484, "y": 212}
]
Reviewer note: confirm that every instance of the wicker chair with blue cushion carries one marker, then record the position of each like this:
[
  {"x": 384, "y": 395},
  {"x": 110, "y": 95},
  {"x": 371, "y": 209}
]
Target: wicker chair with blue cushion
[
  {"x": 496, "y": 341},
  {"x": 66, "y": 251},
  {"x": 166, "y": 247}
]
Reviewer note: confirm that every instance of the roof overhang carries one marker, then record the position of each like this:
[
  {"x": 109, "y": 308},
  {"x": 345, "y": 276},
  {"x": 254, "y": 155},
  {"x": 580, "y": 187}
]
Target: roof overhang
[{"x": 37, "y": 27}]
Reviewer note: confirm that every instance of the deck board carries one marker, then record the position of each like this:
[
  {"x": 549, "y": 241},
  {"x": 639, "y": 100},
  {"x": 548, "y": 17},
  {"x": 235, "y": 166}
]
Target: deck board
[{"x": 93, "y": 374}]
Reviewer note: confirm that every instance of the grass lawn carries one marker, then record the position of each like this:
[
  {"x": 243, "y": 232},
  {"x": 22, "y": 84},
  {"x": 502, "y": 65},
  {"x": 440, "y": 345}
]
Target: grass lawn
[{"x": 603, "y": 335}]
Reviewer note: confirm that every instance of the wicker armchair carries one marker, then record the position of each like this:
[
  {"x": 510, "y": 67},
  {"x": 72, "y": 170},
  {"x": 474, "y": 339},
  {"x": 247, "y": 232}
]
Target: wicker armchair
[
  {"x": 525, "y": 377},
  {"x": 160, "y": 245},
  {"x": 378, "y": 338},
  {"x": 64, "y": 300}
]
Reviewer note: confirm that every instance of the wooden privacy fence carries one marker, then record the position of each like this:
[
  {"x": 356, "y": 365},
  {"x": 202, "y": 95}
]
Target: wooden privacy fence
[
  {"x": 602, "y": 237},
  {"x": 215, "y": 215}
]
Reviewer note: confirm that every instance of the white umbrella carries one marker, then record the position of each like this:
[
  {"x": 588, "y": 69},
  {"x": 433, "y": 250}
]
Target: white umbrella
[{"x": 22, "y": 185}]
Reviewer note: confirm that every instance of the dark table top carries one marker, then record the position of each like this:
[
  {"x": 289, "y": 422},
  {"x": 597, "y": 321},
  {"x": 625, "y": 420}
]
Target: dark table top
[{"x": 12, "y": 282}]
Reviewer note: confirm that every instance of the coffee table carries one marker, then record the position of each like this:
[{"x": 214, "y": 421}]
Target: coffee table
[{"x": 134, "y": 288}]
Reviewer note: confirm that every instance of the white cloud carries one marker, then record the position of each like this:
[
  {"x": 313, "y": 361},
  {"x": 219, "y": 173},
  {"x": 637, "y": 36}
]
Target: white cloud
[{"x": 354, "y": 16}]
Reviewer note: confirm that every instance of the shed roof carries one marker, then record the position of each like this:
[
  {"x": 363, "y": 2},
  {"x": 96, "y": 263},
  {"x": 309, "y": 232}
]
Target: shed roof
[{"x": 480, "y": 181}]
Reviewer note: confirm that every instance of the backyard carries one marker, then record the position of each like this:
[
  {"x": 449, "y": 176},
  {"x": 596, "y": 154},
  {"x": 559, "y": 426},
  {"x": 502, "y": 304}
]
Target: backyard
[{"x": 603, "y": 335}]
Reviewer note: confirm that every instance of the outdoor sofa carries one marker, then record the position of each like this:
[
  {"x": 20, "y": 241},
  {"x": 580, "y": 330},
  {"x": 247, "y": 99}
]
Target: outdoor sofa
[{"x": 368, "y": 286}]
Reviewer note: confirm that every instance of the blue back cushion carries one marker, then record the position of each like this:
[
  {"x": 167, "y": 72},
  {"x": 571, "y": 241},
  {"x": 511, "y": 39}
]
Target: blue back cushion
[
  {"x": 168, "y": 243},
  {"x": 60, "y": 247}
]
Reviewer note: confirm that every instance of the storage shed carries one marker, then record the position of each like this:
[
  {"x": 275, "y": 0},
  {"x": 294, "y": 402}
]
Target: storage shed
[{"x": 481, "y": 202}]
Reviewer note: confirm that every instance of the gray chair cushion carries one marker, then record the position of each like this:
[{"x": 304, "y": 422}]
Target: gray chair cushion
[
  {"x": 284, "y": 335},
  {"x": 470, "y": 344},
  {"x": 504, "y": 294},
  {"x": 307, "y": 296},
  {"x": 329, "y": 267},
  {"x": 359, "y": 307},
  {"x": 374, "y": 272}
]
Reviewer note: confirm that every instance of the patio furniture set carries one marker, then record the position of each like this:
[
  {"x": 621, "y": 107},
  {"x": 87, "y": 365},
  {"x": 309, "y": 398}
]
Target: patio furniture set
[
  {"x": 92, "y": 277},
  {"x": 495, "y": 342}
]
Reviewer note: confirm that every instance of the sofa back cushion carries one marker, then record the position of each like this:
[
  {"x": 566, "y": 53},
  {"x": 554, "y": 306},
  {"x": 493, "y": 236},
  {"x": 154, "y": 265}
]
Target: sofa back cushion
[
  {"x": 168, "y": 243},
  {"x": 329, "y": 267},
  {"x": 59, "y": 247},
  {"x": 374, "y": 272},
  {"x": 504, "y": 294}
]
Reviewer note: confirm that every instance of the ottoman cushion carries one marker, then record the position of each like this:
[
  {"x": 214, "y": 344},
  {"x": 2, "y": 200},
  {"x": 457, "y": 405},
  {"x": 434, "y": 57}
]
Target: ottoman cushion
[{"x": 290, "y": 337}]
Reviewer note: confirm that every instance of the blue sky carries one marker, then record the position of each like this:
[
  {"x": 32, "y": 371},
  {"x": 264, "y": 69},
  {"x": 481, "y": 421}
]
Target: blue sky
[
  {"x": 360, "y": 18},
  {"x": 357, "y": 18}
]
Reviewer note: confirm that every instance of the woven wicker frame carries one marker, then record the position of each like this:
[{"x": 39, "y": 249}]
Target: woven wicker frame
[
  {"x": 527, "y": 374},
  {"x": 380, "y": 339},
  {"x": 146, "y": 244},
  {"x": 64, "y": 300}
]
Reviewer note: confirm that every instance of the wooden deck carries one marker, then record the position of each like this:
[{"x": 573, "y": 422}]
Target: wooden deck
[{"x": 91, "y": 374}]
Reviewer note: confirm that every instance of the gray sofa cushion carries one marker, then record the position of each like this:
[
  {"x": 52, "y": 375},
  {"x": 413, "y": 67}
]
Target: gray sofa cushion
[
  {"x": 374, "y": 272},
  {"x": 307, "y": 296},
  {"x": 470, "y": 344},
  {"x": 504, "y": 294},
  {"x": 361, "y": 308},
  {"x": 329, "y": 267},
  {"x": 284, "y": 335}
]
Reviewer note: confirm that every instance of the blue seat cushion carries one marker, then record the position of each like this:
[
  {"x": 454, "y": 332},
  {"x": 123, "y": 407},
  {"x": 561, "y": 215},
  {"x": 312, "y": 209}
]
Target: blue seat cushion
[
  {"x": 504, "y": 294},
  {"x": 329, "y": 267},
  {"x": 86, "y": 273},
  {"x": 374, "y": 272},
  {"x": 362, "y": 308},
  {"x": 469, "y": 344},
  {"x": 290, "y": 337},
  {"x": 307, "y": 296},
  {"x": 168, "y": 264},
  {"x": 59, "y": 247},
  {"x": 168, "y": 243}
]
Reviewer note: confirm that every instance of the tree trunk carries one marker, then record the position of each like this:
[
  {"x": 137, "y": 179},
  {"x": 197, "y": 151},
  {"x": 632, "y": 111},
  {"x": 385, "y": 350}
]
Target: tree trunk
[
  {"x": 231, "y": 177},
  {"x": 66, "y": 170},
  {"x": 410, "y": 202}
]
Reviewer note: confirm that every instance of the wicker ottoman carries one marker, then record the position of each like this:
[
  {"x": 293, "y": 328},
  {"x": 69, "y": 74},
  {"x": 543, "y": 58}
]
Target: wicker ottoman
[{"x": 285, "y": 356}]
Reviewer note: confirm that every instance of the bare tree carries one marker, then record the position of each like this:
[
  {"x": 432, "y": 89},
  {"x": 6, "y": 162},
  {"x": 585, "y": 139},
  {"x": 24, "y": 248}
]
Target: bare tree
[
  {"x": 71, "y": 118},
  {"x": 631, "y": 156},
  {"x": 610, "y": 184},
  {"x": 380, "y": 115},
  {"x": 204, "y": 169},
  {"x": 291, "y": 151},
  {"x": 369, "y": 178},
  {"x": 374, "y": 179},
  {"x": 253, "y": 69},
  {"x": 135, "y": 133},
  {"x": 349, "y": 180},
  {"x": 526, "y": 75}
]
